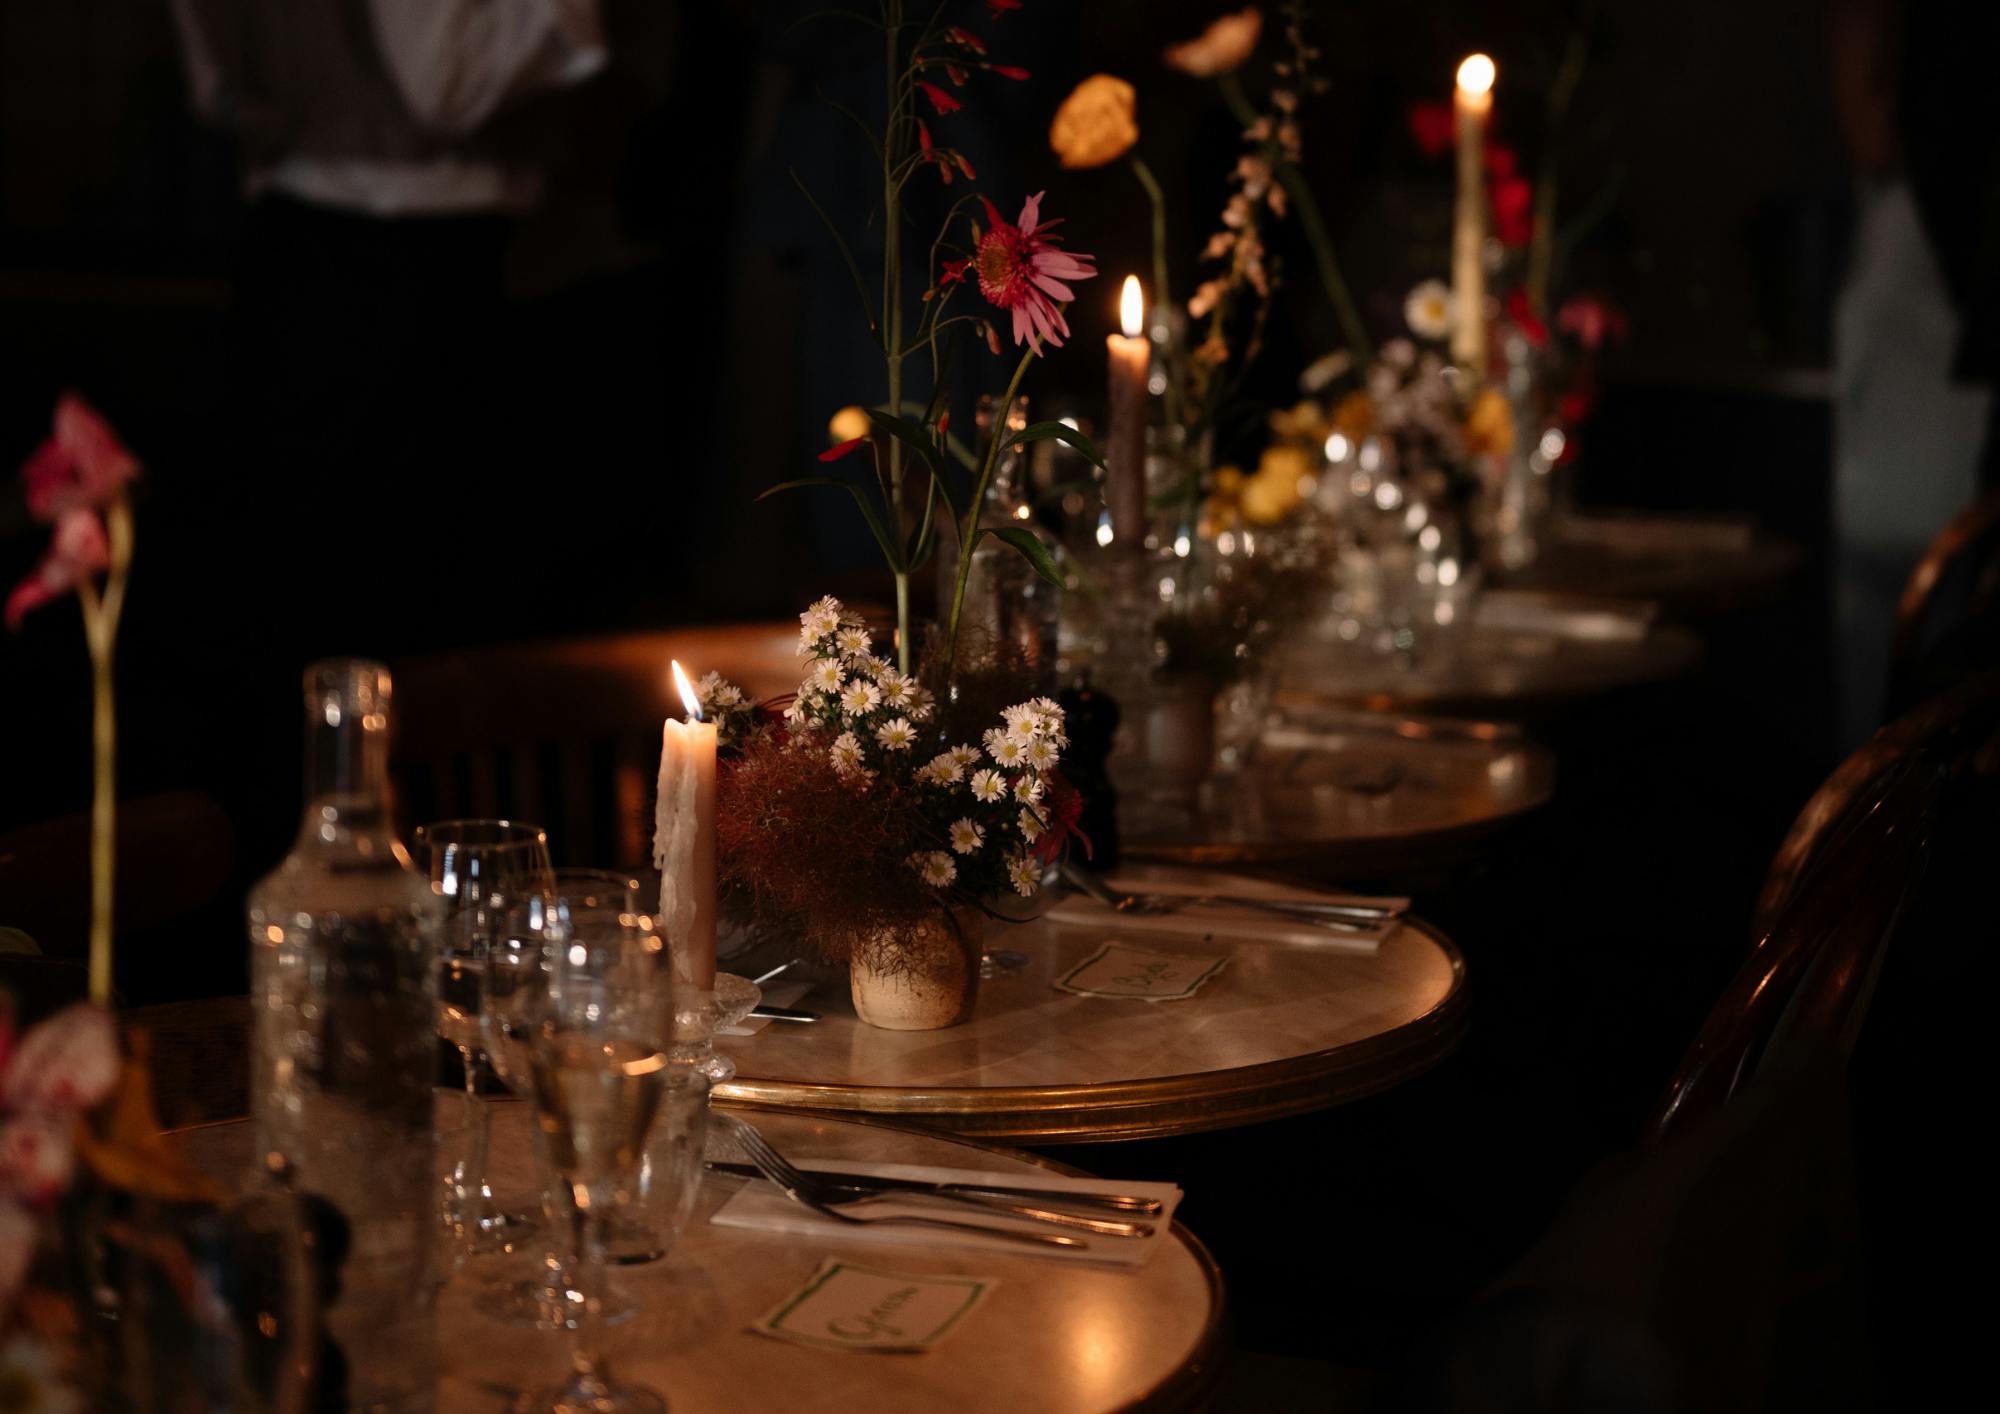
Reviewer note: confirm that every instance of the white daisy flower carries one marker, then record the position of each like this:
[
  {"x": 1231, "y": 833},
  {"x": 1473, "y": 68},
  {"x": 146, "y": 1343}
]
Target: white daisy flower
[
  {"x": 920, "y": 701},
  {"x": 896, "y": 735},
  {"x": 860, "y": 697},
  {"x": 1024, "y": 874},
  {"x": 1031, "y": 824},
  {"x": 796, "y": 712},
  {"x": 817, "y": 622},
  {"x": 1428, "y": 310},
  {"x": 1041, "y": 753},
  {"x": 846, "y": 753},
  {"x": 1008, "y": 752},
  {"x": 966, "y": 836},
  {"x": 936, "y": 867},
  {"x": 896, "y": 689},
  {"x": 1028, "y": 788},
  {"x": 989, "y": 785},
  {"x": 943, "y": 769},
  {"x": 853, "y": 642},
  {"x": 824, "y": 676},
  {"x": 964, "y": 755}
]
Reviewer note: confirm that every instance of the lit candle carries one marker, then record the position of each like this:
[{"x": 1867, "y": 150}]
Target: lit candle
[
  {"x": 1473, "y": 103},
  {"x": 1125, "y": 446},
  {"x": 684, "y": 840}
]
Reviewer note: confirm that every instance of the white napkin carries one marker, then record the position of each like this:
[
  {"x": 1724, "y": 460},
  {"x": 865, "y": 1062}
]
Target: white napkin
[
  {"x": 1217, "y": 921},
  {"x": 1596, "y": 620},
  {"x": 784, "y": 995},
  {"x": 764, "y": 1207}
]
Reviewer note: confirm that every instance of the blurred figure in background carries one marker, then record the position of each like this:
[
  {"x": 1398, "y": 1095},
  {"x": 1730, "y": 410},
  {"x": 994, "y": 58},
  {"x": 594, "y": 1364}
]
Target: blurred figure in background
[
  {"x": 1913, "y": 330},
  {"x": 387, "y": 147}
]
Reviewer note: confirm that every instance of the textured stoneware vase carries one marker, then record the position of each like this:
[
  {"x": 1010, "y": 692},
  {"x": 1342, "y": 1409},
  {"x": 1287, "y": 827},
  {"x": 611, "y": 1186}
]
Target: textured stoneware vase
[{"x": 932, "y": 982}]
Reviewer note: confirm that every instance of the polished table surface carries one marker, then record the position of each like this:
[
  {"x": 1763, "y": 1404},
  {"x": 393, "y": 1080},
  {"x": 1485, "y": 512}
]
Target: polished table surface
[
  {"x": 1050, "y": 1335},
  {"x": 1280, "y": 1030},
  {"x": 1486, "y": 672},
  {"x": 1694, "y": 569},
  {"x": 1353, "y": 791}
]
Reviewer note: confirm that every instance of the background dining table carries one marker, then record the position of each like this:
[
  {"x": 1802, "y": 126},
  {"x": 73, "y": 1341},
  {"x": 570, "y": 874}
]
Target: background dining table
[
  {"x": 1281, "y": 1029},
  {"x": 1052, "y": 1333}
]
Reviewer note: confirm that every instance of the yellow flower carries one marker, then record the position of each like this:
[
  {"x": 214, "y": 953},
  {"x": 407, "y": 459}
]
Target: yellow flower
[
  {"x": 1096, "y": 124},
  {"x": 1489, "y": 425},
  {"x": 1228, "y": 480},
  {"x": 847, "y": 424},
  {"x": 1221, "y": 47},
  {"x": 1268, "y": 500},
  {"x": 1355, "y": 417},
  {"x": 1305, "y": 421}
]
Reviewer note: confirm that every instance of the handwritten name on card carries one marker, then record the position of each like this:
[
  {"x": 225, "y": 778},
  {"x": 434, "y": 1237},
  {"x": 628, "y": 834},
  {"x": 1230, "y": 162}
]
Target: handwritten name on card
[
  {"x": 849, "y": 1307},
  {"x": 1121, "y": 970}
]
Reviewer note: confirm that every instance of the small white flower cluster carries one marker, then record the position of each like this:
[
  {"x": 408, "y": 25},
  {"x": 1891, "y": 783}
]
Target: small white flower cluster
[
  {"x": 1006, "y": 811},
  {"x": 1416, "y": 411},
  {"x": 734, "y": 714},
  {"x": 858, "y": 699}
]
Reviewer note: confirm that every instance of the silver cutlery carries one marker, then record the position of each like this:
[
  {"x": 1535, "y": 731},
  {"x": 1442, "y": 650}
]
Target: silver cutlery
[
  {"x": 1339, "y": 917},
  {"x": 782, "y": 1013},
  {"x": 865, "y": 1187},
  {"x": 830, "y": 1200},
  {"x": 1131, "y": 1205}
]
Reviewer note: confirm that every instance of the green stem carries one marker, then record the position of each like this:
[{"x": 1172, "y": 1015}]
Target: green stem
[
  {"x": 100, "y": 625},
  {"x": 1163, "y": 295},
  {"x": 971, "y": 526},
  {"x": 892, "y": 299}
]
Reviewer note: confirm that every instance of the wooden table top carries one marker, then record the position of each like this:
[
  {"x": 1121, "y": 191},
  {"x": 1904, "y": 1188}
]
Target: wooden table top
[
  {"x": 1280, "y": 1030},
  {"x": 1350, "y": 791},
  {"x": 1050, "y": 1335},
  {"x": 1487, "y": 672},
  {"x": 1697, "y": 576}
]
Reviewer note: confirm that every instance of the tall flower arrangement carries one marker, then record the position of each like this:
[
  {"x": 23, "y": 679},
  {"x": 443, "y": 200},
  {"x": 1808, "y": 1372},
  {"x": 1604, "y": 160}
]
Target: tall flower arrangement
[
  {"x": 76, "y": 483},
  {"x": 1019, "y": 268}
]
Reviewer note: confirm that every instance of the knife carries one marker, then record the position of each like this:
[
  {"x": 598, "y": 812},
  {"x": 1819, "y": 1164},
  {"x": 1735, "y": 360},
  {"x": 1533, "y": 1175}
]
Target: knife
[
  {"x": 1114, "y": 1202},
  {"x": 779, "y": 1013}
]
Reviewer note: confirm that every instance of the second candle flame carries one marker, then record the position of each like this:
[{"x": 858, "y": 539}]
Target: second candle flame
[
  {"x": 1476, "y": 75},
  {"x": 1132, "y": 308},
  {"x": 689, "y": 697}
]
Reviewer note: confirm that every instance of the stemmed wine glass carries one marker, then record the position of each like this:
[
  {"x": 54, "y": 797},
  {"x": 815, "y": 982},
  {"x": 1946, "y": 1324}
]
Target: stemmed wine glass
[
  {"x": 601, "y": 1070},
  {"x": 481, "y": 869}
]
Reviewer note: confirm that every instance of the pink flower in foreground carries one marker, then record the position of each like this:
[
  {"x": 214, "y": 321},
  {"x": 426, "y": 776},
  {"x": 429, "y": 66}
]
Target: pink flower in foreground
[
  {"x": 77, "y": 551},
  {"x": 81, "y": 464},
  {"x": 1021, "y": 270}
]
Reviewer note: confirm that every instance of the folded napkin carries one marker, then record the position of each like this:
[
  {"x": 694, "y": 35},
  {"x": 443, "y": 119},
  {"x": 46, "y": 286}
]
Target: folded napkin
[
  {"x": 765, "y": 1207},
  {"x": 1077, "y": 910},
  {"x": 1565, "y": 616}
]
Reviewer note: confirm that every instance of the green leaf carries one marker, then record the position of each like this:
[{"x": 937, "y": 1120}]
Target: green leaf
[
  {"x": 1031, "y": 547},
  {"x": 911, "y": 435},
  {"x": 846, "y": 255},
  {"x": 1061, "y": 432},
  {"x": 925, "y": 539},
  {"x": 891, "y": 551}
]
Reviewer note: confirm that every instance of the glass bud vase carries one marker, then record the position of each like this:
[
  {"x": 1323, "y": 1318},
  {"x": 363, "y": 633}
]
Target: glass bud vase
[
  {"x": 1009, "y": 608},
  {"x": 344, "y": 1039}
]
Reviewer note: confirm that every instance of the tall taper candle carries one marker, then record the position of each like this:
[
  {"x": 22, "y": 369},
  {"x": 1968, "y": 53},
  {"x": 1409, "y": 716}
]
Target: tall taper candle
[
  {"x": 1472, "y": 102},
  {"x": 684, "y": 840},
  {"x": 1125, "y": 444}
]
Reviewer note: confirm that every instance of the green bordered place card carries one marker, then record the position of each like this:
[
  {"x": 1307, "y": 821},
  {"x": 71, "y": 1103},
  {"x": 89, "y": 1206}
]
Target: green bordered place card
[
  {"x": 849, "y": 1307},
  {"x": 1121, "y": 970}
]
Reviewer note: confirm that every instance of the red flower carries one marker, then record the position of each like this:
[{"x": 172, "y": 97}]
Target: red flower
[
  {"x": 1513, "y": 202},
  {"x": 1021, "y": 270},
  {"x": 963, "y": 166},
  {"x": 1009, "y": 71},
  {"x": 965, "y": 39},
  {"x": 841, "y": 449},
  {"x": 77, "y": 551},
  {"x": 1591, "y": 320},
  {"x": 1434, "y": 126},
  {"x": 81, "y": 464},
  {"x": 1001, "y": 7},
  {"x": 1065, "y": 809},
  {"x": 1518, "y": 310},
  {"x": 940, "y": 100}
]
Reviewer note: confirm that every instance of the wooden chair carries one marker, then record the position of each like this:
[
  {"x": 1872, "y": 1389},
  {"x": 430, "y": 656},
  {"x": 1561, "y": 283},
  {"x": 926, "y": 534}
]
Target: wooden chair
[
  {"x": 1948, "y": 619},
  {"x": 175, "y": 853},
  {"x": 566, "y": 734}
]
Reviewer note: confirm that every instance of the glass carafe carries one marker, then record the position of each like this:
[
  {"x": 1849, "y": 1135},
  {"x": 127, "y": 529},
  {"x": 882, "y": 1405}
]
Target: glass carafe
[{"x": 344, "y": 1049}]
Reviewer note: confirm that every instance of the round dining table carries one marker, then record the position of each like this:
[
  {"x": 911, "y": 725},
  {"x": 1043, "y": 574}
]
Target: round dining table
[
  {"x": 1280, "y": 1029},
  {"x": 1051, "y": 1333},
  {"x": 1341, "y": 793}
]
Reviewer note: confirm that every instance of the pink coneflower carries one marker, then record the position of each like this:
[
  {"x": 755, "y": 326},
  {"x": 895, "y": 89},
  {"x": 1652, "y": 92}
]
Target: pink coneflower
[{"x": 1021, "y": 270}]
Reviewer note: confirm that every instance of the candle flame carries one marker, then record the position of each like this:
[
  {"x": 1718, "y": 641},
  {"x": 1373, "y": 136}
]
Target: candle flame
[
  {"x": 1476, "y": 75},
  {"x": 1132, "y": 308},
  {"x": 686, "y": 689}
]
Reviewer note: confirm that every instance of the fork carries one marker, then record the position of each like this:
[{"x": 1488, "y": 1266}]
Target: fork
[{"x": 826, "y": 1200}]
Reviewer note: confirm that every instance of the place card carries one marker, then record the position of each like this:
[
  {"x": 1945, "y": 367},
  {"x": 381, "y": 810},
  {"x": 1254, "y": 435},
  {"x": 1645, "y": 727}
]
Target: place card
[
  {"x": 849, "y": 1307},
  {"x": 1121, "y": 970}
]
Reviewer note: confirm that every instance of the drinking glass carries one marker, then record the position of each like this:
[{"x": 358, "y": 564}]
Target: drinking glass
[
  {"x": 601, "y": 1070},
  {"x": 481, "y": 869}
]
